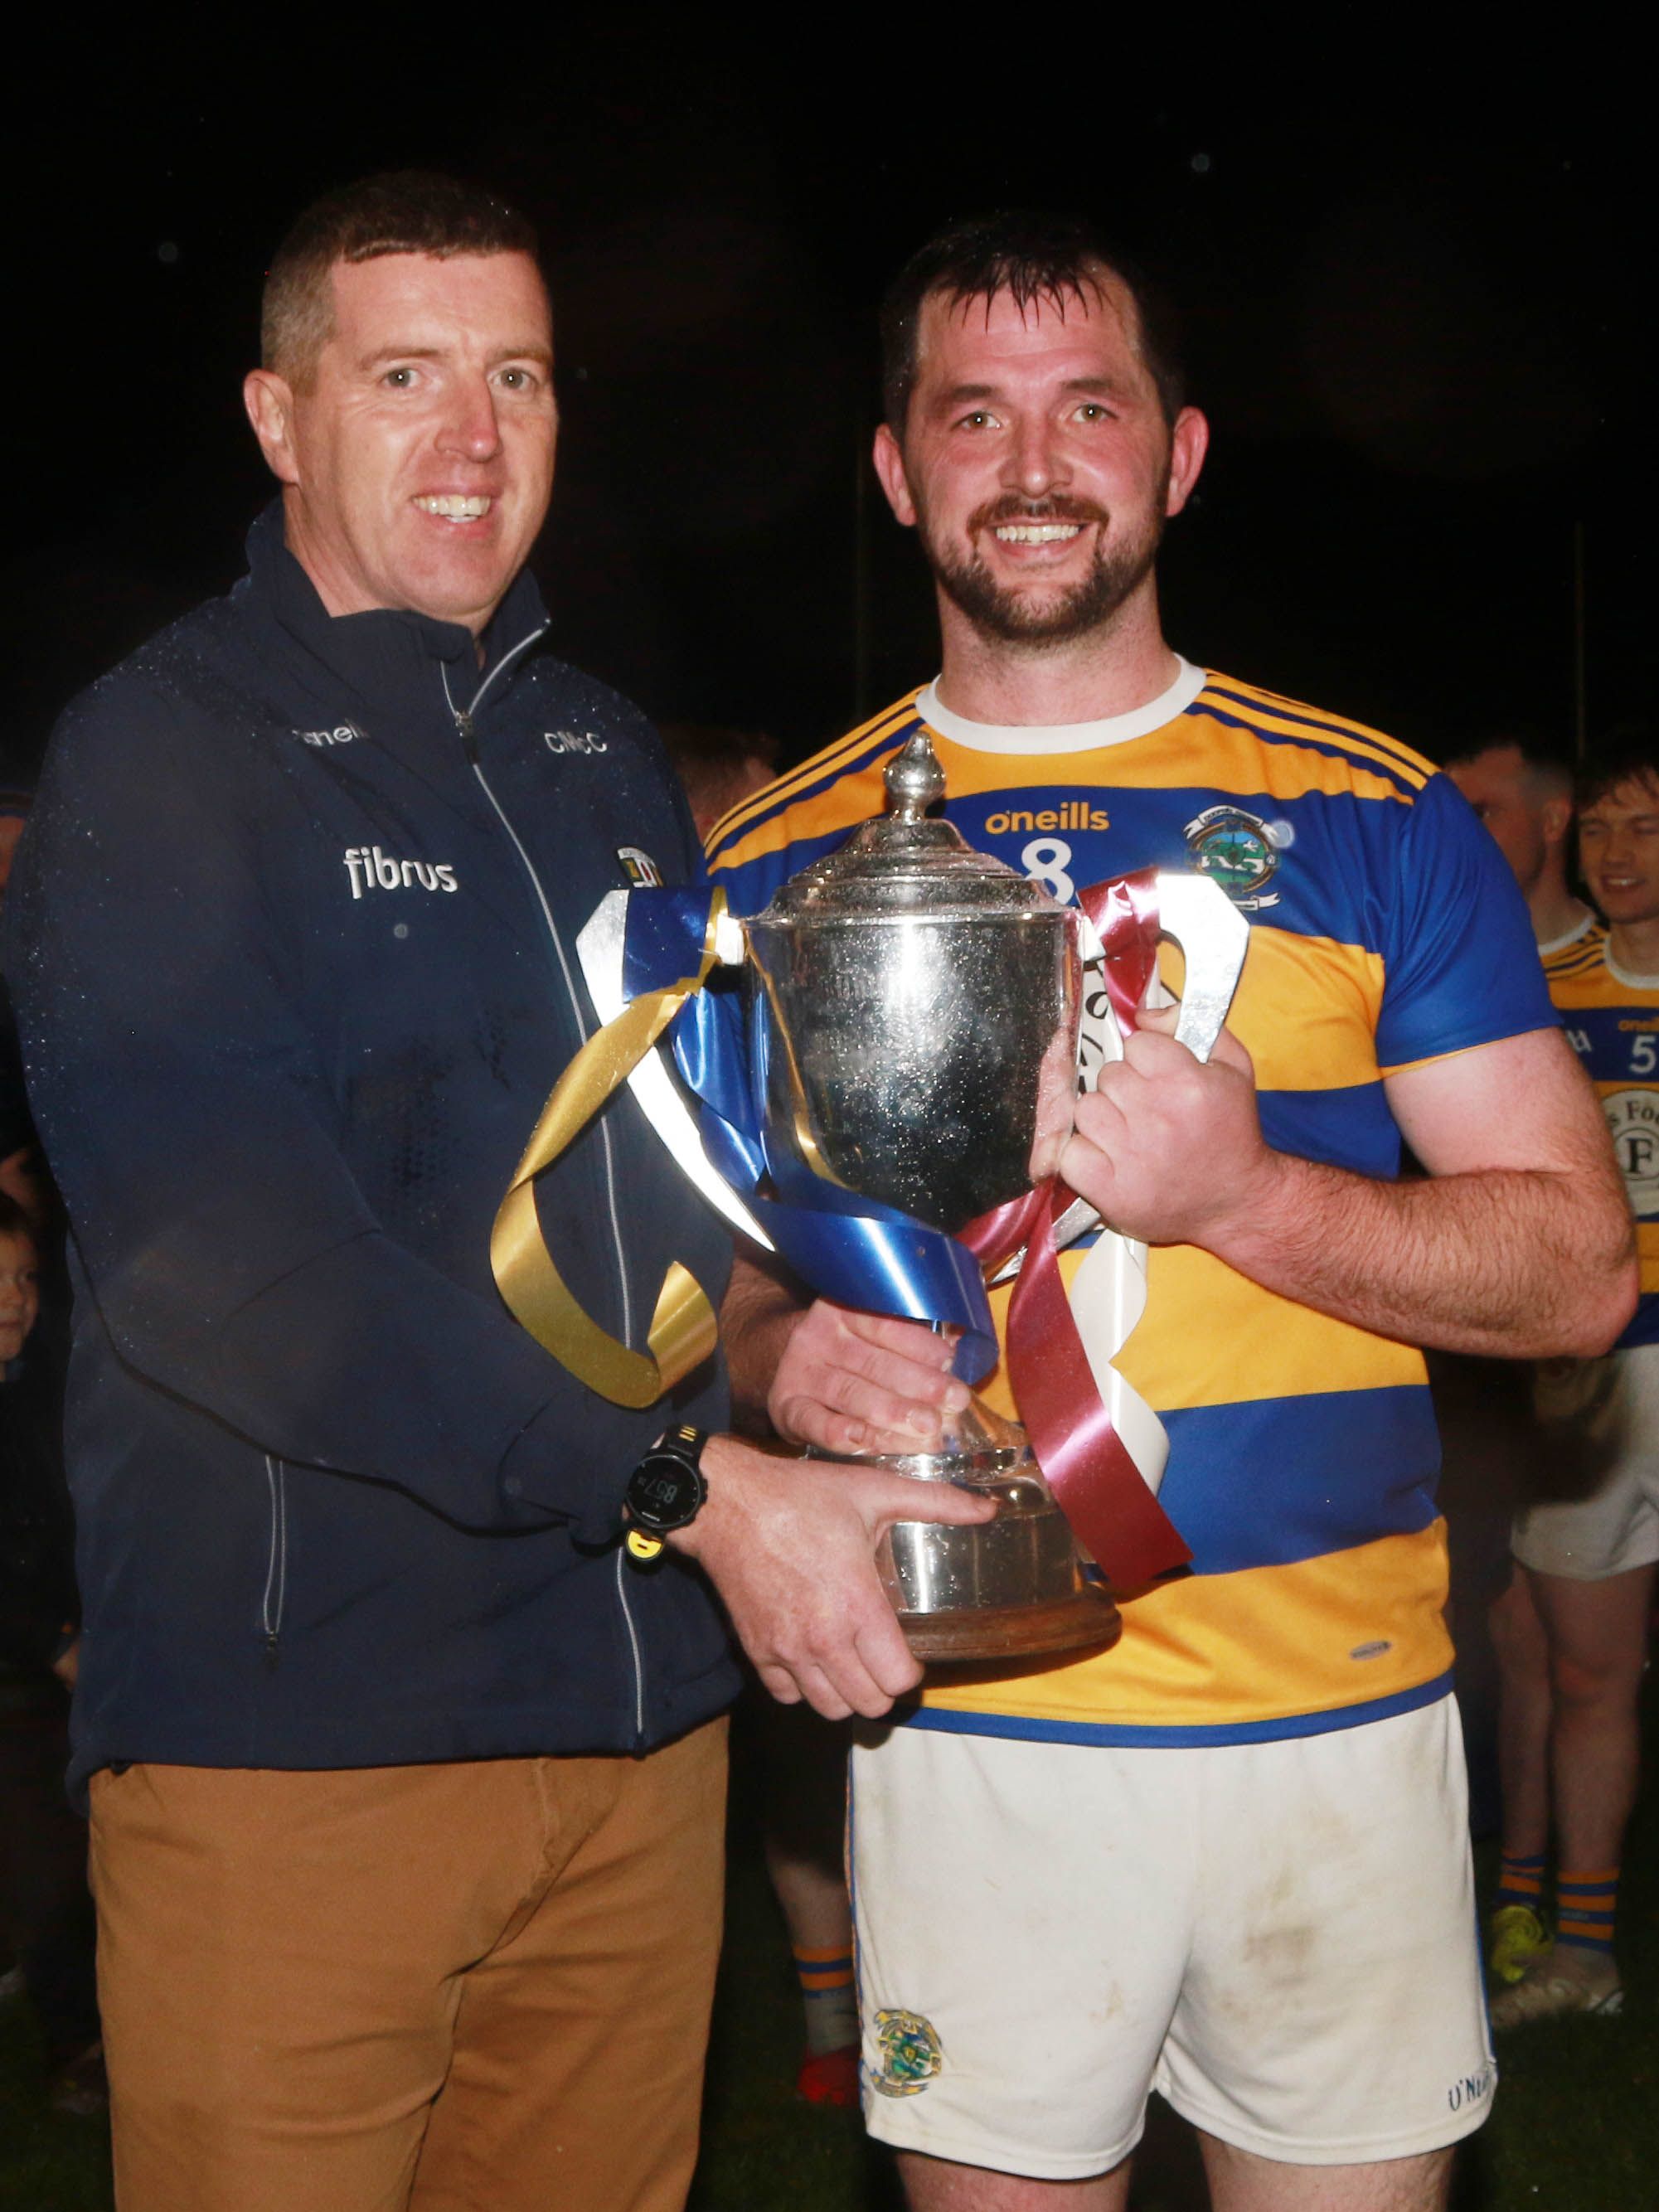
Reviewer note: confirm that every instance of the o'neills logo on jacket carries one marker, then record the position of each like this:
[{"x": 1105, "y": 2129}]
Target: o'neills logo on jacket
[{"x": 370, "y": 869}]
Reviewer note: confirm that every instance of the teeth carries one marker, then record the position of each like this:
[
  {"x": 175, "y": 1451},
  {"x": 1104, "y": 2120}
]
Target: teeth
[
  {"x": 1037, "y": 533},
  {"x": 462, "y": 507}
]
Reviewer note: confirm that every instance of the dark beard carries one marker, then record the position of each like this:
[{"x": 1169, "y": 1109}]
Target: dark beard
[{"x": 1014, "y": 618}]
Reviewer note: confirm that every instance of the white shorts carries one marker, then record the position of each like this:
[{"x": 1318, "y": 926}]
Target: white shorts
[
  {"x": 1599, "y": 1421},
  {"x": 1279, "y": 1937}
]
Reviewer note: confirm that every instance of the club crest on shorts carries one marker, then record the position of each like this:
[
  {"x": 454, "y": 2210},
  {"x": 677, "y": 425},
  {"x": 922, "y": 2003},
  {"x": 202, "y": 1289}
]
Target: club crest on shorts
[
  {"x": 911, "y": 2052},
  {"x": 1238, "y": 851}
]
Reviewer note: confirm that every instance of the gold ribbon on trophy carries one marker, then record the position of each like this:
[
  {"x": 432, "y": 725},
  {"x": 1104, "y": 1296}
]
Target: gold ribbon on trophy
[{"x": 683, "y": 1329}]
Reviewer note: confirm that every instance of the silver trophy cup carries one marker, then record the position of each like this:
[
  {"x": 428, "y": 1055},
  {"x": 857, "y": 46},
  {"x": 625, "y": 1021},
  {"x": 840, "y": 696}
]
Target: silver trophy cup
[{"x": 915, "y": 1008}]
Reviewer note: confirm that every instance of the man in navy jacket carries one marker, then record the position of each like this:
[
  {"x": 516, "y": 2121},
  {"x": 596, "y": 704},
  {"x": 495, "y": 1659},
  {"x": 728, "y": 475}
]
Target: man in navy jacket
[{"x": 405, "y": 1778}]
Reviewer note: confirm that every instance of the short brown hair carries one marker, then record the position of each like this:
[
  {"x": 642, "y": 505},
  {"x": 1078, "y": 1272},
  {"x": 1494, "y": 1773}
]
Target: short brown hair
[
  {"x": 1628, "y": 753},
  {"x": 401, "y": 211},
  {"x": 1030, "y": 256}
]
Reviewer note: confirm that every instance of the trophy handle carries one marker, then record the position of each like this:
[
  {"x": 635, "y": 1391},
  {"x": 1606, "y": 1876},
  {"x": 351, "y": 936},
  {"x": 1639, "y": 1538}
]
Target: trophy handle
[{"x": 1213, "y": 937}]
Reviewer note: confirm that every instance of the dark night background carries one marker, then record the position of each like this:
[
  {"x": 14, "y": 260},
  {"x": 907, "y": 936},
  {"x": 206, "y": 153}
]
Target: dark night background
[{"x": 1416, "y": 314}]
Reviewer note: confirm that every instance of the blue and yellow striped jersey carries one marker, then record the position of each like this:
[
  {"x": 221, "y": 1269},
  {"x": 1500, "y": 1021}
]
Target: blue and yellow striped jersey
[
  {"x": 1611, "y": 1021},
  {"x": 1386, "y": 930}
]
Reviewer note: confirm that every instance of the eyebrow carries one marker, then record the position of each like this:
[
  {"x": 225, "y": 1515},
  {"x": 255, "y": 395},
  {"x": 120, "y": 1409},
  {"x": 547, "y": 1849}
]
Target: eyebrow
[
  {"x": 1108, "y": 387},
  {"x": 534, "y": 350}
]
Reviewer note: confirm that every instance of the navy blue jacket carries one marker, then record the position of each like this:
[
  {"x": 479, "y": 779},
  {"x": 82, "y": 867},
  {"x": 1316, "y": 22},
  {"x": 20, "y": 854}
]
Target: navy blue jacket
[{"x": 291, "y": 938}]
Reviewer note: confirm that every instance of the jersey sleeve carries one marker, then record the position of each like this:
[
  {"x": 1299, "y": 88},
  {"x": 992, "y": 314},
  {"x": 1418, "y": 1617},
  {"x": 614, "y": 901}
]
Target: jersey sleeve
[
  {"x": 749, "y": 883},
  {"x": 1460, "y": 964}
]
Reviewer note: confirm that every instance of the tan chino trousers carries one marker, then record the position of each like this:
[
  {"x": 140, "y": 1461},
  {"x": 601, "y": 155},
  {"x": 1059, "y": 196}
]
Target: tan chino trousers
[{"x": 482, "y": 1985}]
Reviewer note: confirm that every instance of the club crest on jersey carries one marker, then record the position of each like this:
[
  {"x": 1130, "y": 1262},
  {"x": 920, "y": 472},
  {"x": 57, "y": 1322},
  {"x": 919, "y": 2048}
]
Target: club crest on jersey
[
  {"x": 1633, "y": 1125},
  {"x": 1238, "y": 851},
  {"x": 641, "y": 870},
  {"x": 911, "y": 2053}
]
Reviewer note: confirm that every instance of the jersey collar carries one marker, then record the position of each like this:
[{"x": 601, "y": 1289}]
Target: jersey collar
[{"x": 1063, "y": 736}]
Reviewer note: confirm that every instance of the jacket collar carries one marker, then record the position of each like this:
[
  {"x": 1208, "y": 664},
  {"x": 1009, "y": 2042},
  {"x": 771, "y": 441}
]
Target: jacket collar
[{"x": 387, "y": 653}]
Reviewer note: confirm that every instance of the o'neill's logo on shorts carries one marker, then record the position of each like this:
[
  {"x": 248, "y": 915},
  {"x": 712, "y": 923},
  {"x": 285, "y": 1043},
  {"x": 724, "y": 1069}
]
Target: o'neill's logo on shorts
[
  {"x": 911, "y": 2053},
  {"x": 1473, "y": 2089},
  {"x": 1240, "y": 852},
  {"x": 372, "y": 870}
]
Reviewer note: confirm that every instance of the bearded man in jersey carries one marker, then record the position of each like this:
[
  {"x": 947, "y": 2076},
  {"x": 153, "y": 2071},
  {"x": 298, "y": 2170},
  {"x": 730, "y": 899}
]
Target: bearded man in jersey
[{"x": 1161, "y": 1865}]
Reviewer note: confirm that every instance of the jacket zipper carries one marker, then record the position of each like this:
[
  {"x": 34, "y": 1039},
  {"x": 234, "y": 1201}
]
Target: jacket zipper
[
  {"x": 463, "y": 718},
  {"x": 633, "y": 1644},
  {"x": 275, "y": 1592}
]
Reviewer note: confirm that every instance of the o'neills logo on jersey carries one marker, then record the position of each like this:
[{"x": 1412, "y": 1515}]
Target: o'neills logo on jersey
[
  {"x": 370, "y": 869},
  {"x": 1074, "y": 814}
]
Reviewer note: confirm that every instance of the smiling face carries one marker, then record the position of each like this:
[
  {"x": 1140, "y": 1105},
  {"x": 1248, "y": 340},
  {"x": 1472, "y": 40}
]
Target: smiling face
[
  {"x": 1619, "y": 850},
  {"x": 1036, "y": 461},
  {"x": 20, "y": 1292},
  {"x": 418, "y": 461}
]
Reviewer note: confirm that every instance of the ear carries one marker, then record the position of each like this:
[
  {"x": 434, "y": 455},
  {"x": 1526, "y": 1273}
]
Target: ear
[
  {"x": 1554, "y": 820},
  {"x": 268, "y": 399},
  {"x": 890, "y": 467},
  {"x": 1189, "y": 441}
]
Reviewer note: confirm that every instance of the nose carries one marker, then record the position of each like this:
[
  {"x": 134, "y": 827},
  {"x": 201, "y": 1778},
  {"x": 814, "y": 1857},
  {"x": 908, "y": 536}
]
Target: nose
[
  {"x": 470, "y": 430},
  {"x": 1034, "y": 460}
]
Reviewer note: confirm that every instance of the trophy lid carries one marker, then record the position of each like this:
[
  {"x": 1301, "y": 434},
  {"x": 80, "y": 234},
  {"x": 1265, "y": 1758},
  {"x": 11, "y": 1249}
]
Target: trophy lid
[{"x": 904, "y": 862}]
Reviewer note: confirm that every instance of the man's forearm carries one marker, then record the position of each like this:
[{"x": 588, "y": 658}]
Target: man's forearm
[
  {"x": 757, "y": 1316},
  {"x": 1517, "y": 1263}
]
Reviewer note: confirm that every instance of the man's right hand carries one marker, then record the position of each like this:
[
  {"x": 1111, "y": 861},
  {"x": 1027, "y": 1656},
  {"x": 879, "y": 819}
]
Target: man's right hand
[
  {"x": 851, "y": 1382},
  {"x": 790, "y": 1545}
]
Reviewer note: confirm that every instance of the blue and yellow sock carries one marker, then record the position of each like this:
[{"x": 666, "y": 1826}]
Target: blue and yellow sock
[
  {"x": 831, "y": 2002},
  {"x": 1585, "y": 1905},
  {"x": 1521, "y": 1881}
]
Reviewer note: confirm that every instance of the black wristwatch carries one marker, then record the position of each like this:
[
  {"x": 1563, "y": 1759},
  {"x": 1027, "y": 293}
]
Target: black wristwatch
[{"x": 665, "y": 1491}]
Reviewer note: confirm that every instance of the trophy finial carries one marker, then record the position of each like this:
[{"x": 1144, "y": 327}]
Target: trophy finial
[{"x": 914, "y": 779}]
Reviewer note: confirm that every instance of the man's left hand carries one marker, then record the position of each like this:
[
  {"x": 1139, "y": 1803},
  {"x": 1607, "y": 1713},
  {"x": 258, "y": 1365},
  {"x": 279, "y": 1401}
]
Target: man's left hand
[{"x": 1168, "y": 1148}]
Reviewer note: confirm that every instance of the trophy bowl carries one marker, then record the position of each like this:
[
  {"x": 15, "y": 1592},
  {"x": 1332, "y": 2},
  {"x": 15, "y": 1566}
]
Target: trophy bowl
[{"x": 913, "y": 1013}]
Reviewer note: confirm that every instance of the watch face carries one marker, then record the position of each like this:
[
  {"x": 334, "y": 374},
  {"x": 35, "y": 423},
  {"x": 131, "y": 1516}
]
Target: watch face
[{"x": 663, "y": 1493}]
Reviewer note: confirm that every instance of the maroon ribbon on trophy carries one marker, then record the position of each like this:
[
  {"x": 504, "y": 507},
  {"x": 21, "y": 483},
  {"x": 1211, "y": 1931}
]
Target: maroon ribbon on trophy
[{"x": 1098, "y": 1488}]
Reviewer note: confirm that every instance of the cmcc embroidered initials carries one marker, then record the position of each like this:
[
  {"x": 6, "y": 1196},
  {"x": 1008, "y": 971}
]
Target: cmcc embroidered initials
[{"x": 369, "y": 867}]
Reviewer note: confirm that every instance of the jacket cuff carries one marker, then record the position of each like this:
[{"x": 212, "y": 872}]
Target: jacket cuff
[{"x": 541, "y": 1474}]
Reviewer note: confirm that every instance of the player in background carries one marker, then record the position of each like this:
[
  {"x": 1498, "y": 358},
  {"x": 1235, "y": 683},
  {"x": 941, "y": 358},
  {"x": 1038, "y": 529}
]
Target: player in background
[
  {"x": 1589, "y": 1547},
  {"x": 719, "y": 767},
  {"x": 1522, "y": 789},
  {"x": 1161, "y": 1865}
]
